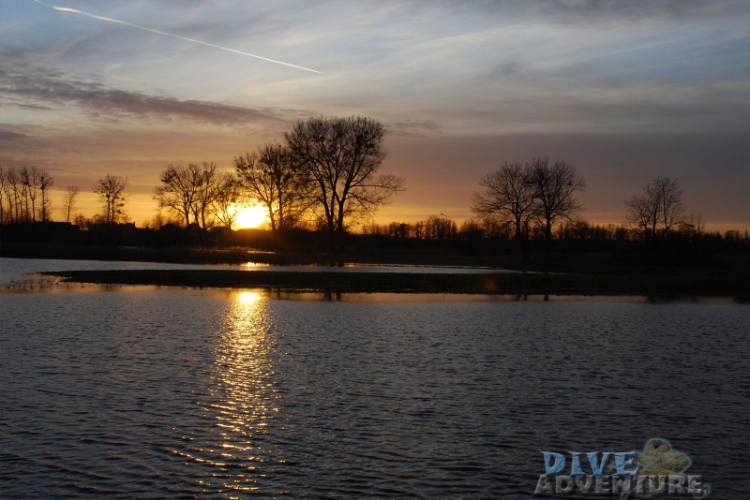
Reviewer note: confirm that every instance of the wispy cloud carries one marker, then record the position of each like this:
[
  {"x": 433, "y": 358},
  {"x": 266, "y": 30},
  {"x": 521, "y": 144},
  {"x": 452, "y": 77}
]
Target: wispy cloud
[
  {"x": 55, "y": 88},
  {"x": 585, "y": 11},
  {"x": 413, "y": 127},
  {"x": 165, "y": 33},
  {"x": 10, "y": 137}
]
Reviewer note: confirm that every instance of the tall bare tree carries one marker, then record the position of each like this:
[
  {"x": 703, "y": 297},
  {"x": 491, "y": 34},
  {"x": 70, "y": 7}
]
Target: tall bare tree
[
  {"x": 46, "y": 181},
  {"x": 658, "y": 210},
  {"x": 179, "y": 190},
  {"x": 31, "y": 179},
  {"x": 111, "y": 190},
  {"x": 208, "y": 190},
  {"x": 13, "y": 191},
  {"x": 192, "y": 192},
  {"x": 508, "y": 198},
  {"x": 69, "y": 203},
  {"x": 227, "y": 199},
  {"x": 3, "y": 186},
  {"x": 554, "y": 188},
  {"x": 26, "y": 181},
  {"x": 274, "y": 180},
  {"x": 672, "y": 211},
  {"x": 342, "y": 158}
]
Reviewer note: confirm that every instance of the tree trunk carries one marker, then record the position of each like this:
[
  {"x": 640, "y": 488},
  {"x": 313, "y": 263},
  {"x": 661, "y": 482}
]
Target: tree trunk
[
  {"x": 547, "y": 243},
  {"x": 525, "y": 251}
]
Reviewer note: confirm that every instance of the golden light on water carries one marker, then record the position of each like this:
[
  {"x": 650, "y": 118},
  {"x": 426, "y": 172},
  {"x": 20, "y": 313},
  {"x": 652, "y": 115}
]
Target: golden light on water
[
  {"x": 242, "y": 392},
  {"x": 247, "y": 297},
  {"x": 252, "y": 265},
  {"x": 249, "y": 216}
]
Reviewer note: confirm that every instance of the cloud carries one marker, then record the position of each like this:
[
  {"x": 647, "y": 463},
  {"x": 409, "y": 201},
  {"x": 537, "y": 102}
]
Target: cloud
[
  {"x": 41, "y": 87},
  {"x": 412, "y": 127},
  {"x": 504, "y": 70},
  {"x": 587, "y": 11},
  {"x": 6, "y": 136}
]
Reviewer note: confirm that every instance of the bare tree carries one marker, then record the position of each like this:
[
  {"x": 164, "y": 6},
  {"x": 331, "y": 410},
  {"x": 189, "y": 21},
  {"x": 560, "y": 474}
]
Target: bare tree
[
  {"x": 554, "y": 187},
  {"x": 274, "y": 180},
  {"x": 82, "y": 222},
  {"x": 3, "y": 186},
  {"x": 658, "y": 210},
  {"x": 208, "y": 190},
  {"x": 192, "y": 192},
  {"x": 26, "y": 180},
  {"x": 227, "y": 199},
  {"x": 342, "y": 157},
  {"x": 508, "y": 198},
  {"x": 69, "y": 203},
  {"x": 643, "y": 214},
  {"x": 46, "y": 181},
  {"x": 13, "y": 193},
  {"x": 31, "y": 180},
  {"x": 672, "y": 211},
  {"x": 111, "y": 190},
  {"x": 693, "y": 225},
  {"x": 439, "y": 227},
  {"x": 179, "y": 190}
]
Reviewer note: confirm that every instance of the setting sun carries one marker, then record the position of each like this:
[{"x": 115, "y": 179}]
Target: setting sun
[{"x": 249, "y": 216}]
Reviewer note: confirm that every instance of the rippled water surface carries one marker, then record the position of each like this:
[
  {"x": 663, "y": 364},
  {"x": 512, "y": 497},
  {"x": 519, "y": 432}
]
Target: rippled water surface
[{"x": 179, "y": 393}]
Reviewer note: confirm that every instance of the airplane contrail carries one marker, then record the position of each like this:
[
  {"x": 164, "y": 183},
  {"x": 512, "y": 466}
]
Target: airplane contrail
[{"x": 158, "y": 32}]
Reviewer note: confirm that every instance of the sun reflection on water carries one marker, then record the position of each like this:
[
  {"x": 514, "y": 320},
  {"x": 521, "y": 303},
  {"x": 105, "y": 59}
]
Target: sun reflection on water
[
  {"x": 254, "y": 265},
  {"x": 247, "y": 297},
  {"x": 243, "y": 395}
]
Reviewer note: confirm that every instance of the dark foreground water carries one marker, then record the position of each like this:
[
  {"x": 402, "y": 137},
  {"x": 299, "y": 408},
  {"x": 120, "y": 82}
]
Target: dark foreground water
[{"x": 180, "y": 393}]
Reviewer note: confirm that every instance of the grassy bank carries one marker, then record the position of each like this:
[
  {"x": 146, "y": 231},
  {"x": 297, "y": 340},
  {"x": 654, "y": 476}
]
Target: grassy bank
[
  {"x": 187, "y": 255},
  {"x": 590, "y": 263},
  {"x": 704, "y": 285}
]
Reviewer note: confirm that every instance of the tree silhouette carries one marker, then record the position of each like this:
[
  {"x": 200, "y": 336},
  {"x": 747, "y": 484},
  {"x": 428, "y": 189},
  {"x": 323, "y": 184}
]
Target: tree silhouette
[
  {"x": 3, "y": 187},
  {"x": 342, "y": 157},
  {"x": 29, "y": 185},
  {"x": 71, "y": 193},
  {"x": 192, "y": 192},
  {"x": 658, "y": 210},
  {"x": 13, "y": 193},
  {"x": 179, "y": 189},
  {"x": 207, "y": 193},
  {"x": 111, "y": 191},
  {"x": 227, "y": 199},
  {"x": 508, "y": 198},
  {"x": 439, "y": 227},
  {"x": 275, "y": 181},
  {"x": 554, "y": 187},
  {"x": 45, "y": 183}
]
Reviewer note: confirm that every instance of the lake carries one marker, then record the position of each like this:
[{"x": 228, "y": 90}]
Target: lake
[{"x": 128, "y": 392}]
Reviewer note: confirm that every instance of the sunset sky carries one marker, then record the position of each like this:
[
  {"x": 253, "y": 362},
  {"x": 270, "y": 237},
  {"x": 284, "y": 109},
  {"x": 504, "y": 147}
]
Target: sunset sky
[{"x": 625, "y": 90}]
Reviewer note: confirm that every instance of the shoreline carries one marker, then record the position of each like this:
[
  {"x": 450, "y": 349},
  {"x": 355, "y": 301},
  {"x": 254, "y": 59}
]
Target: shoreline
[{"x": 412, "y": 283}]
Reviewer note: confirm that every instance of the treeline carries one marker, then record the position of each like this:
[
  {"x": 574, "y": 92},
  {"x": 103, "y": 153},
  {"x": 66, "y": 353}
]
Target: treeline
[
  {"x": 25, "y": 198},
  {"x": 436, "y": 228},
  {"x": 322, "y": 180},
  {"x": 24, "y": 194},
  {"x": 323, "y": 175}
]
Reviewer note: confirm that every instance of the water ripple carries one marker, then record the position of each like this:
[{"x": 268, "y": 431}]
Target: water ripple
[{"x": 178, "y": 393}]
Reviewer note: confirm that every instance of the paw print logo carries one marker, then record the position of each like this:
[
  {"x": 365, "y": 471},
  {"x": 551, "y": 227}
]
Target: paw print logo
[
  {"x": 659, "y": 464},
  {"x": 659, "y": 459}
]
